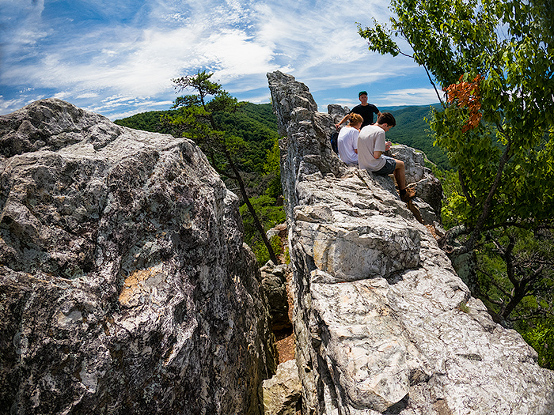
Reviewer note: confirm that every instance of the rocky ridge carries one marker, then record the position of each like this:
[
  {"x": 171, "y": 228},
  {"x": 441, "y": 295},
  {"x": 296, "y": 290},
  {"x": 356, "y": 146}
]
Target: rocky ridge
[
  {"x": 125, "y": 287},
  {"x": 383, "y": 324}
]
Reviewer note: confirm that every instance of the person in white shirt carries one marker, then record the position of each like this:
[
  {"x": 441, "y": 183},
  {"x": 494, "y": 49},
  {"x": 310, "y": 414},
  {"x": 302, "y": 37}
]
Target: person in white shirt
[
  {"x": 372, "y": 145},
  {"x": 348, "y": 140}
]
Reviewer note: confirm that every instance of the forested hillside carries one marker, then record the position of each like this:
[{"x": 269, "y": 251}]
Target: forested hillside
[
  {"x": 256, "y": 126},
  {"x": 412, "y": 130},
  {"x": 254, "y": 123}
]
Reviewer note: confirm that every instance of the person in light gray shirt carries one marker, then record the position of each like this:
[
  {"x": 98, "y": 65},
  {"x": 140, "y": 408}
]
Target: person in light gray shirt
[{"x": 372, "y": 145}]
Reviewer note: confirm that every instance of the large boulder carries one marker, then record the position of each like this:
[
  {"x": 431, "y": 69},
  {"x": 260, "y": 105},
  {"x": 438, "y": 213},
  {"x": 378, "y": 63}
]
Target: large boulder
[
  {"x": 382, "y": 322},
  {"x": 125, "y": 287}
]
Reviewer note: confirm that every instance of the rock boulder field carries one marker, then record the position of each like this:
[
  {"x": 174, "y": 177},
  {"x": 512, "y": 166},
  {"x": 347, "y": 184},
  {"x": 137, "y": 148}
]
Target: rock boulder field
[
  {"x": 125, "y": 287},
  {"x": 383, "y": 324}
]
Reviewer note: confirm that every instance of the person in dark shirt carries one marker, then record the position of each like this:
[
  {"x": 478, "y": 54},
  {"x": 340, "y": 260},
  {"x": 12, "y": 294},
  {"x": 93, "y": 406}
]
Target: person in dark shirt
[{"x": 364, "y": 109}]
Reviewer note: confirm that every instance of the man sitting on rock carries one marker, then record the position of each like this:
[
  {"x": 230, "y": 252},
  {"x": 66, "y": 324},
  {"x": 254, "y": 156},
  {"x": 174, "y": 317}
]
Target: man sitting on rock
[
  {"x": 372, "y": 145},
  {"x": 348, "y": 140}
]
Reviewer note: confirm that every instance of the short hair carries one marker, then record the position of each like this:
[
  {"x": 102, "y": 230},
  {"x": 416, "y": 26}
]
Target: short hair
[
  {"x": 356, "y": 118},
  {"x": 362, "y": 93},
  {"x": 386, "y": 118}
]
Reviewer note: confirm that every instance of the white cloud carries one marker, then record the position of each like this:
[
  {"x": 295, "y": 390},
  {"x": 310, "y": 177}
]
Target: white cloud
[
  {"x": 412, "y": 96},
  {"x": 316, "y": 41},
  {"x": 8, "y": 105}
]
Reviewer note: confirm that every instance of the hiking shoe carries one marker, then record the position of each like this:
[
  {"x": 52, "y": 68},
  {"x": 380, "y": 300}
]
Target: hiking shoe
[{"x": 410, "y": 193}]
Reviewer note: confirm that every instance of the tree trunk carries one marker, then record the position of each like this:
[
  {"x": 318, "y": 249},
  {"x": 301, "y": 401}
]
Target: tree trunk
[{"x": 251, "y": 209}]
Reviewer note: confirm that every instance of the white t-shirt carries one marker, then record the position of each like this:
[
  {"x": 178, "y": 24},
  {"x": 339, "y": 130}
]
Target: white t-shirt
[
  {"x": 347, "y": 143},
  {"x": 371, "y": 139}
]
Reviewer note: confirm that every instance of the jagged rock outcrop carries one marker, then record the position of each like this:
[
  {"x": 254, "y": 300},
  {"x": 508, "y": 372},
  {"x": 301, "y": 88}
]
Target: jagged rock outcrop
[
  {"x": 125, "y": 287},
  {"x": 337, "y": 112},
  {"x": 383, "y": 324}
]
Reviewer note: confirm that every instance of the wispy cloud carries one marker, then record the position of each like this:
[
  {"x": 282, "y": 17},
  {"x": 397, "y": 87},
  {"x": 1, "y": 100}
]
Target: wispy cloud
[
  {"x": 410, "y": 96},
  {"x": 90, "y": 52}
]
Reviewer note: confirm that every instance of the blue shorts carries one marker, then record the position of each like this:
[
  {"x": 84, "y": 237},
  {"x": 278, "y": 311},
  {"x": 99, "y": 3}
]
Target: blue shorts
[{"x": 388, "y": 168}]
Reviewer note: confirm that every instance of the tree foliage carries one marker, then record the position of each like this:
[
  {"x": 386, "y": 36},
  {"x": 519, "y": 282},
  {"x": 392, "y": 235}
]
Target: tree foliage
[
  {"x": 504, "y": 52},
  {"x": 147, "y": 121},
  {"x": 492, "y": 65},
  {"x": 269, "y": 214},
  {"x": 255, "y": 124},
  {"x": 515, "y": 264},
  {"x": 541, "y": 337},
  {"x": 200, "y": 118}
]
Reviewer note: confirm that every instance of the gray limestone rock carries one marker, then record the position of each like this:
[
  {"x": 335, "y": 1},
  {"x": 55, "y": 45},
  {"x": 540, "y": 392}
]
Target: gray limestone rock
[
  {"x": 382, "y": 322},
  {"x": 428, "y": 187},
  {"x": 282, "y": 393},
  {"x": 274, "y": 286},
  {"x": 337, "y": 112},
  {"x": 125, "y": 287}
]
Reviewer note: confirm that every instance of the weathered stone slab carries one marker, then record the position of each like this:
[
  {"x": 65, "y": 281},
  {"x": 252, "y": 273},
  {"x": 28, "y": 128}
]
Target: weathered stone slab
[{"x": 282, "y": 393}]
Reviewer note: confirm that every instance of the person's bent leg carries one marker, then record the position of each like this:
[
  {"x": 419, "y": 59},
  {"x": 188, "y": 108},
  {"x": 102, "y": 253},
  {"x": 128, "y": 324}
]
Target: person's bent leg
[{"x": 400, "y": 174}]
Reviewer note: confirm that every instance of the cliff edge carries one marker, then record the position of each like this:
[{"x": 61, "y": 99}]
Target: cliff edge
[{"x": 383, "y": 324}]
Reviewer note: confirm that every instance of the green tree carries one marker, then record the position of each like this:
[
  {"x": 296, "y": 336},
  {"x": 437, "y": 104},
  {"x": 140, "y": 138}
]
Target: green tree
[
  {"x": 270, "y": 215},
  {"x": 514, "y": 264},
  {"x": 272, "y": 168},
  {"x": 196, "y": 117},
  {"x": 502, "y": 54},
  {"x": 541, "y": 337},
  {"x": 491, "y": 63}
]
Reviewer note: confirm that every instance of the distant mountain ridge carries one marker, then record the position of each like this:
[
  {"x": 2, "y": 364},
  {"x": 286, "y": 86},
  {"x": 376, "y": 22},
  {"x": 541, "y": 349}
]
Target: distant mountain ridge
[{"x": 411, "y": 128}]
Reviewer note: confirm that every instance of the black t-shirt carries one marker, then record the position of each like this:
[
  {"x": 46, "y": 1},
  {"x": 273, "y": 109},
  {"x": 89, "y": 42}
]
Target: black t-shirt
[{"x": 366, "y": 112}]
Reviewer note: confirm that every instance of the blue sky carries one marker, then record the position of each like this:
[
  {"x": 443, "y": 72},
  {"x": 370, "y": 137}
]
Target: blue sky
[{"x": 117, "y": 57}]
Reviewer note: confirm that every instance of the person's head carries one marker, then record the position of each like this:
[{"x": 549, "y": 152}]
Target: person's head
[
  {"x": 356, "y": 120},
  {"x": 386, "y": 118},
  {"x": 362, "y": 96}
]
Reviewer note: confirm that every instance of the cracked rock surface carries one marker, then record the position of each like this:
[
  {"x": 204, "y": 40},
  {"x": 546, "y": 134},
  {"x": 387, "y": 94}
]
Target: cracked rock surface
[
  {"x": 125, "y": 287},
  {"x": 379, "y": 315}
]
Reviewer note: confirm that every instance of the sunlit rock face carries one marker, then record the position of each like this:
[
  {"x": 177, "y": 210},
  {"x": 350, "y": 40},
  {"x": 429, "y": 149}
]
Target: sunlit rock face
[
  {"x": 383, "y": 324},
  {"x": 125, "y": 287}
]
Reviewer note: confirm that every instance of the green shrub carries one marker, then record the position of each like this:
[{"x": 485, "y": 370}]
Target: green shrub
[{"x": 541, "y": 338}]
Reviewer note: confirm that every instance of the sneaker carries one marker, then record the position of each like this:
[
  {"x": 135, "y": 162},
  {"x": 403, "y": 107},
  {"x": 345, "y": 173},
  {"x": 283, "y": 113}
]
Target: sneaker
[{"x": 410, "y": 193}]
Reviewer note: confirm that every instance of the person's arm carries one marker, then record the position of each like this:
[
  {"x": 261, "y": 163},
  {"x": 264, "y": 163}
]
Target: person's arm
[
  {"x": 381, "y": 145},
  {"x": 347, "y": 116}
]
